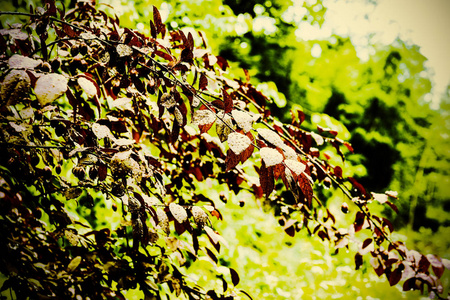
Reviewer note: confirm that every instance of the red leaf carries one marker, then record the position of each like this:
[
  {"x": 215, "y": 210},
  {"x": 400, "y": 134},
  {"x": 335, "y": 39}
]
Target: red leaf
[
  {"x": 186, "y": 55},
  {"x": 180, "y": 228},
  {"x": 164, "y": 55},
  {"x": 424, "y": 264},
  {"x": 160, "y": 27},
  {"x": 359, "y": 221},
  {"x": 234, "y": 277},
  {"x": 212, "y": 236},
  {"x": 190, "y": 42},
  {"x": 396, "y": 275},
  {"x": 409, "y": 284},
  {"x": 388, "y": 223},
  {"x": 218, "y": 103},
  {"x": 211, "y": 255},
  {"x": 359, "y": 188},
  {"x": 290, "y": 231},
  {"x": 289, "y": 227},
  {"x": 205, "y": 128},
  {"x": 306, "y": 188},
  {"x": 278, "y": 171},
  {"x": 247, "y": 152},
  {"x": 216, "y": 214},
  {"x": 232, "y": 160},
  {"x": 338, "y": 172},
  {"x": 366, "y": 243},
  {"x": 392, "y": 205},
  {"x": 323, "y": 235},
  {"x": 436, "y": 264},
  {"x": 358, "y": 261},
  {"x": 153, "y": 30},
  {"x": 203, "y": 82},
  {"x": 266, "y": 179},
  {"x": 69, "y": 31},
  {"x": 247, "y": 75},
  {"x": 228, "y": 101},
  {"x": 349, "y": 147},
  {"x": 223, "y": 63},
  {"x": 102, "y": 172}
]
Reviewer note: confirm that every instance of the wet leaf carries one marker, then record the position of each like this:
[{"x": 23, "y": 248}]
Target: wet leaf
[
  {"x": 395, "y": 275},
  {"x": 266, "y": 179}
]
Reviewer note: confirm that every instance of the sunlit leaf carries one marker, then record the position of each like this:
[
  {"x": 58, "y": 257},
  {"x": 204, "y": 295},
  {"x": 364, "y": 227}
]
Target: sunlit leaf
[
  {"x": 270, "y": 136},
  {"x": 101, "y": 131},
  {"x": 178, "y": 116},
  {"x": 50, "y": 87},
  {"x": 270, "y": 156},
  {"x": 124, "y": 50},
  {"x": 74, "y": 263},
  {"x": 243, "y": 119},
  {"x": 163, "y": 220},
  {"x": 23, "y": 62},
  {"x": 200, "y": 216},
  {"x": 88, "y": 86},
  {"x": 178, "y": 212},
  {"x": 203, "y": 117},
  {"x": 295, "y": 166},
  {"x": 238, "y": 142},
  {"x": 224, "y": 127},
  {"x": 318, "y": 138},
  {"x": 168, "y": 100}
]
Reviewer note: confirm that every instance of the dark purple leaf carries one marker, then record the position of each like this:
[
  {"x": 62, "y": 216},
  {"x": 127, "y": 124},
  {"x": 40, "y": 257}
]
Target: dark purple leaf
[
  {"x": 234, "y": 277},
  {"x": 358, "y": 261}
]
